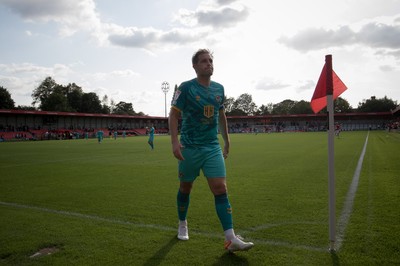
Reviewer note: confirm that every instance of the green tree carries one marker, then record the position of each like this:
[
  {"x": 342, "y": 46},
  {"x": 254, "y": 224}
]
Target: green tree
[
  {"x": 112, "y": 106},
  {"x": 376, "y": 105},
  {"x": 71, "y": 98},
  {"x": 301, "y": 107},
  {"x": 26, "y": 108},
  {"x": 43, "y": 91},
  {"x": 74, "y": 95},
  {"x": 6, "y": 102},
  {"x": 91, "y": 103},
  {"x": 244, "y": 104},
  {"x": 123, "y": 108},
  {"x": 342, "y": 106},
  {"x": 104, "y": 105},
  {"x": 237, "y": 112},
  {"x": 283, "y": 108},
  {"x": 228, "y": 104},
  {"x": 55, "y": 102},
  {"x": 265, "y": 109}
]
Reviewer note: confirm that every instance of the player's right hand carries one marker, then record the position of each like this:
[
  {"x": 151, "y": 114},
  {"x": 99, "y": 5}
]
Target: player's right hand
[{"x": 176, "y": 150}]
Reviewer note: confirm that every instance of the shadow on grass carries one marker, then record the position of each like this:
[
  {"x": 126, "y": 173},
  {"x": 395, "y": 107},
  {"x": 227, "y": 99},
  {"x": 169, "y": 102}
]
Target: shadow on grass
[
  {"x": 335, "y": 259},
  {"x": 158, "y": 257},
  {"x": 231, "y": 259}
]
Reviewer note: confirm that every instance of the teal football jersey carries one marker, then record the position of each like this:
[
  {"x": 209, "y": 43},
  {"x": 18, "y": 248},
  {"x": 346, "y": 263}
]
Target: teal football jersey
[{"x": 199, "y": 107}]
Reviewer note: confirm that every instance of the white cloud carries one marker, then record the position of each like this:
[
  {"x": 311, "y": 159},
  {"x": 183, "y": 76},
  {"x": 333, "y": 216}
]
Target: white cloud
[
  {"x": 380, "y": 35},
  {"x": 148, "y": 38},
  {"x": 214, "y": 16},
  {"x": 315, "y": 39},
  {"x": 74, "y": 16},
  {"x": 71, "y": 15},
  {"x": 25, "y": 68},
  {"x": 373, "y": 34},
  {"x": 391, "y": 53},
  {"x": 126, "y": 73},
  {"x": 387, "y": 68},
  {"x": 268, "y": 84},
  {"x": 194, "y": 28},
  {"x": 225, "y": 2},
  {"x": 224, "y": 17},
  {"x": 42, "y": 10},
  {"x": 306, "y": 85}
]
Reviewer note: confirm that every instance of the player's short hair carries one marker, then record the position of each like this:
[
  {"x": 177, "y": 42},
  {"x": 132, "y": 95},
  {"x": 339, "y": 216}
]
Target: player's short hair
[{"x": 195, "y": 57}]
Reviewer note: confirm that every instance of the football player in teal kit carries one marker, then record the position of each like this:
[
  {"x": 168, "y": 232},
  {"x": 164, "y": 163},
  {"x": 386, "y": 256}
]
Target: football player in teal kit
[
  {"x": 200, "y": 104},
  {"x": 151, "y": 137}
]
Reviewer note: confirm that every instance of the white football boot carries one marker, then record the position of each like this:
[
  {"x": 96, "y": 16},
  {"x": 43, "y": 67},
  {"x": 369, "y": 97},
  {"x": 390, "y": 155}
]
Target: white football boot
[
  {"x": 237, "y": 244},
  {"x": 183, "y": 231}
]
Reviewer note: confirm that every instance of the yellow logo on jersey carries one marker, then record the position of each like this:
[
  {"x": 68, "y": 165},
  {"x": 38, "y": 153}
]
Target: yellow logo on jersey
[{"x": 209, "y": 111}]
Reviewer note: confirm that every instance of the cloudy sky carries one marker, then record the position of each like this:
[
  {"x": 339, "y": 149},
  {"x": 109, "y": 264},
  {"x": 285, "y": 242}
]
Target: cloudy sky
[{"x": 273, "y": 50}]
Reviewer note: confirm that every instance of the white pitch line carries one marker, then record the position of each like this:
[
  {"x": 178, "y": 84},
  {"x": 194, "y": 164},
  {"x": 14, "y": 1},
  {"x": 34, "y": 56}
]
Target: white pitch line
[
  {"x": 348, "y": 205},
  {"x": 157, "y": 227},
  {"x": 87, "y": 216},
  {"x": 52, "y": 161}
]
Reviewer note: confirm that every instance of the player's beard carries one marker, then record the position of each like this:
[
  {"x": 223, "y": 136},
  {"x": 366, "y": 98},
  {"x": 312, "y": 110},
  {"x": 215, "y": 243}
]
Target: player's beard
[
  {"x": 205, "y": 73},
  {"x": 208, "y": 72}
]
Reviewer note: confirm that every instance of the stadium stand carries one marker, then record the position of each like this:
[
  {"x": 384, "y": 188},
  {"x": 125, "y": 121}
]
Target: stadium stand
[{"x": 18, "y": 125}]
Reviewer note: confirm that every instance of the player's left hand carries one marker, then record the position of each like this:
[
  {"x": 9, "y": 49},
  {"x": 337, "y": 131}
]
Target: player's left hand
[{"x": 226, "y": 151}]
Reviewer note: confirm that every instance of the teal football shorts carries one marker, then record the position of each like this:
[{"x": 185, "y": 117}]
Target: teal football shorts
[{"x": 209, "y": 159}]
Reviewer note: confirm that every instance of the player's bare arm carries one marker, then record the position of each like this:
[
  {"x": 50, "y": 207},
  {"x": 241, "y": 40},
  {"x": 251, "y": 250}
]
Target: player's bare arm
[
  {"x": 223, "y": 125},
  {"x": 173, "y": 129}
]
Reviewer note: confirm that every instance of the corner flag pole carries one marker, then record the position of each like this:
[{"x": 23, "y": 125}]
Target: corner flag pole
[{"x": 331, "y": 161}]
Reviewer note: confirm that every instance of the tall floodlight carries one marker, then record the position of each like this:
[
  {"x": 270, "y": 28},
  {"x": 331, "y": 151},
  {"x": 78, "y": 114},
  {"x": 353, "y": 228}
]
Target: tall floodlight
[{"x": 165, "y": 89}]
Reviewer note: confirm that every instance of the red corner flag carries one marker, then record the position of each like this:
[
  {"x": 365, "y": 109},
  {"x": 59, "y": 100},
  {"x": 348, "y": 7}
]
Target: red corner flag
[{"x": 318, "y": 101}]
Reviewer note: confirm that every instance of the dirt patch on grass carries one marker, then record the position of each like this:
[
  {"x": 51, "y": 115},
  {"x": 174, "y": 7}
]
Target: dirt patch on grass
[{"x": 45, "y": 252}]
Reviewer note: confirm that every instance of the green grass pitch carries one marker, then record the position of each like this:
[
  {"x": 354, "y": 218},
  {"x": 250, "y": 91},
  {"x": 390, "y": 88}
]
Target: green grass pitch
[{"x": 114, "y": 203}]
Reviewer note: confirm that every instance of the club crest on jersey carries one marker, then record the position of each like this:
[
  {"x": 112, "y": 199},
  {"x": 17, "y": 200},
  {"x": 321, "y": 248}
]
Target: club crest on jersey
[
  {"x": 218, "y": 99},
  {"x": 197, "y": 98},
  {"x": 209, "y": 111}
]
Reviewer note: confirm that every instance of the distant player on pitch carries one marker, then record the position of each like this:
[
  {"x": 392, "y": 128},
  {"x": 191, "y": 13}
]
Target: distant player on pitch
[
  {"x": 338, "y": 129},
  {"x": 200, "y": 103},
  {"x": 151, "y": 137},
  {"x": 100, "y": 134}
]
